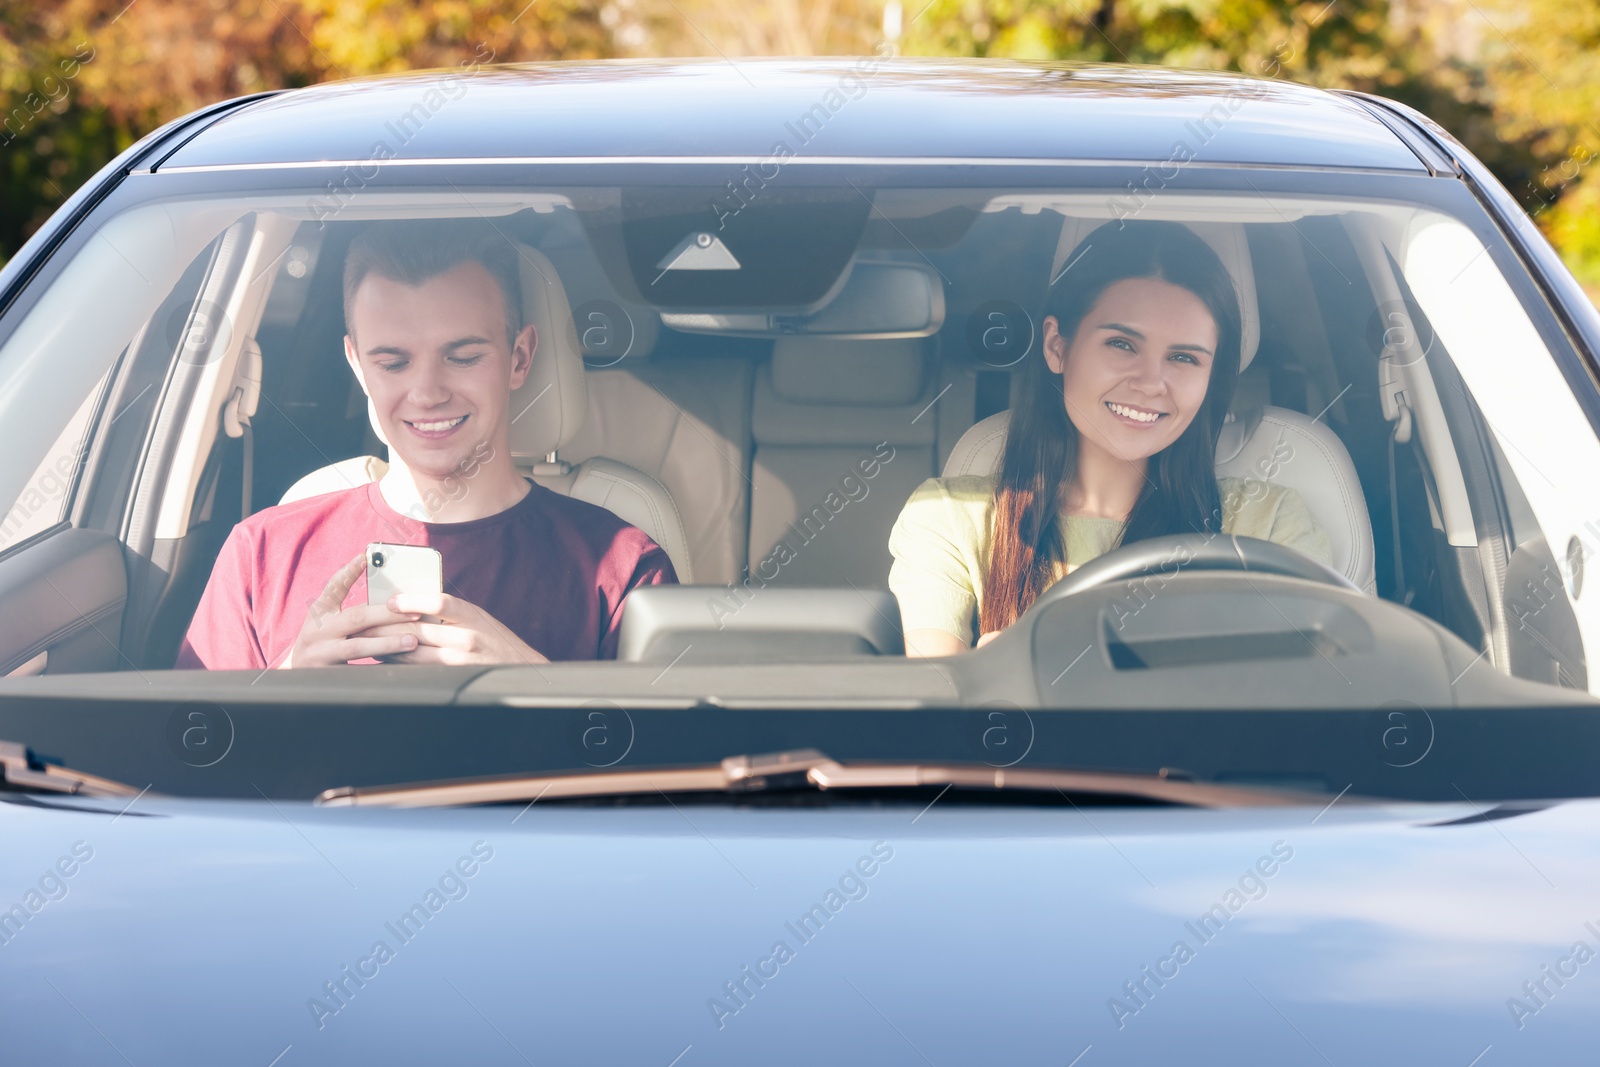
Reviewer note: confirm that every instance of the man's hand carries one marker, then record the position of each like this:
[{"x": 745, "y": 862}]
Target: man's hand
[
  {"x": 332, "y": 636},
  {"x": 464, "y": 632}
]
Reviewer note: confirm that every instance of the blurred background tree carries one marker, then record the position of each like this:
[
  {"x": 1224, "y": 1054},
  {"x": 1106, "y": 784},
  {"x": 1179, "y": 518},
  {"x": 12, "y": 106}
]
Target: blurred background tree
[
  {"x": 1541, "y": 63},
  {"x": 1517, "y": 80},
  {"x": 80, "y": 80}
]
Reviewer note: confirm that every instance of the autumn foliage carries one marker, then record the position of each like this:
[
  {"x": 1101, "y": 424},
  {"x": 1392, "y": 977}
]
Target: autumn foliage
[{"x": 1517, "y": 80}]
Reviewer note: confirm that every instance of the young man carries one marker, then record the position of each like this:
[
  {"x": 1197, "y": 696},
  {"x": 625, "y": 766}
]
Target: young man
[{"x": 434, "y": 315}]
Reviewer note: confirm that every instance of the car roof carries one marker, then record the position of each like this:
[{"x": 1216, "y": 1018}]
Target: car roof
[{"x": 812, "y": 110}]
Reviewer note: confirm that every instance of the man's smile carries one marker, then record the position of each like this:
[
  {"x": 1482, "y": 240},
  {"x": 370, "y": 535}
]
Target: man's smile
[{"x": 436, "y": 428}]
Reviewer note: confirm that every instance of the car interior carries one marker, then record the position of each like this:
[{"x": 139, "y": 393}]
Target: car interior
[{"x": 725, "y": 434}]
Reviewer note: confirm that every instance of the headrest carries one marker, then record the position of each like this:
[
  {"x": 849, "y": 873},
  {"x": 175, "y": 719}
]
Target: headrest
[
  {"x": 1227, "y": 239},
  {"x": 548, "y": 410},
  {"x": 878, "y": 372}
]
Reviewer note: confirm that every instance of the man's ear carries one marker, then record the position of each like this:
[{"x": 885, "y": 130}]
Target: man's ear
[
  {"x": 1055, "y": 346},
  {"x": 522, "y": 353},
  {"x": 351, "y": 358}
]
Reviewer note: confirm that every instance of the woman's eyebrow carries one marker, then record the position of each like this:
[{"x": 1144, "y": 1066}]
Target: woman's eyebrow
[{"x": 1119, "y": 327}]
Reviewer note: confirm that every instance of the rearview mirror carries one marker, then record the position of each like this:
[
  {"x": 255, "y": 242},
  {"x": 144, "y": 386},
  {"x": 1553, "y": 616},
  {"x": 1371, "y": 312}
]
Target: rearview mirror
[{"x": 876, "y": 300}]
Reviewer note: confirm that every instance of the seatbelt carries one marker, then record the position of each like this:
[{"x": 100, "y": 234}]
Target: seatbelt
[
  {"x": 249, "y": 471},
  {"x": 1400, "y": 435},
  {"x": 1398, "y": 342},
  {"x": 992, "y": 394},
  {"x": 240, "y": 408},
  {"x": 1237, "y": 428}
]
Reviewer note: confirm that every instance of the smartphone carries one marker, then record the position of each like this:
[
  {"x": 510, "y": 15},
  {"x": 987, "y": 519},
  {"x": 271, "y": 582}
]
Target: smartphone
[{"x": 395, "y": 569}]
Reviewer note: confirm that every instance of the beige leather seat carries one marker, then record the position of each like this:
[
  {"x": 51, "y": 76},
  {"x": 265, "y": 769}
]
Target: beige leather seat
[
  {"x": 823, "y": 407},
  {"x": 546, "y": 413},
  {"x": 684, "y": 421},
  {"x": 1265, "y": 443}
]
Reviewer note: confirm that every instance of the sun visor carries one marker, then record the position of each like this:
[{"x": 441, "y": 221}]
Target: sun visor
[
  {"x": 368, "y": 205},
  {"x": 1167, "y": 206}
]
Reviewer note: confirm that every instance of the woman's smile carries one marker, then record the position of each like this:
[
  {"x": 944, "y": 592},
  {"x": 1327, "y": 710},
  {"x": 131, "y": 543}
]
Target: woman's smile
[{"x": 1136, "y": 416}]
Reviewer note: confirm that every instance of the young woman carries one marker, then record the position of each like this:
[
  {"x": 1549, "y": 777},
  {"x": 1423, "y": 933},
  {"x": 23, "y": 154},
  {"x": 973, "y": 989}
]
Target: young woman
[{"x": 1114, "y": 440}]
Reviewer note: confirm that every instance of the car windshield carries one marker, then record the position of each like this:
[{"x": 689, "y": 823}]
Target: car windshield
[{"x": 827, "y": 436}]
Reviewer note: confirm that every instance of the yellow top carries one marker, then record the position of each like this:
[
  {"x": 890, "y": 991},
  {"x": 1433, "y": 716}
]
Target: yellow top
[{"x": 941, "y": 542}]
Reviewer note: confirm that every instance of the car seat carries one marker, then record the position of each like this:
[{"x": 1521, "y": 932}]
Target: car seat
[
  {"x": 1317, "y": 465},
  {"x": 546, "y": 413}
]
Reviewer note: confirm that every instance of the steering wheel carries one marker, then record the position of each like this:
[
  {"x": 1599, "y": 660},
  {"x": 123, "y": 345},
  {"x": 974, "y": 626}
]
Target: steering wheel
[{"x": 1178, "y": 553}]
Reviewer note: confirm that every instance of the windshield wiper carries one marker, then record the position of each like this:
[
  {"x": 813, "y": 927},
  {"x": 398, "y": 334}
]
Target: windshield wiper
[
  {"x": 22, "y": 772},
  {"x": 803, "y": 769}
]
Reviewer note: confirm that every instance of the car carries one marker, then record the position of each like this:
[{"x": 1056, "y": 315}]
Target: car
[{"x": 1208, "y": 797}]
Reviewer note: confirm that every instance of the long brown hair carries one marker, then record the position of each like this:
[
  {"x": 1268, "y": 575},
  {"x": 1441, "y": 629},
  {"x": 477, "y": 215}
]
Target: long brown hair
[{"x": 1041, "y": 455}]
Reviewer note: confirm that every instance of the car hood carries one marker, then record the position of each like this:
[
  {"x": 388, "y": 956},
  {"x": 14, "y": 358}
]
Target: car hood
[{"x": 183, "y": 931}]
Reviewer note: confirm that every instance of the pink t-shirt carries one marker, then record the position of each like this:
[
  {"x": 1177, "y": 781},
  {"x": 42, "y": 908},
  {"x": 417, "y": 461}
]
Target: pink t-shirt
[{"x": 553, "y": 570}]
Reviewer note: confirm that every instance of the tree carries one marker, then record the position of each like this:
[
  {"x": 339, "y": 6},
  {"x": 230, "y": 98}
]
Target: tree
[
  {"x": 1542, "y": 64},
  {"x": 730, "y": 29},
  {"x": 1517, "y": 80},
  {"x": 80, "y": 80},
  {"x": 1518, "y": 83}
]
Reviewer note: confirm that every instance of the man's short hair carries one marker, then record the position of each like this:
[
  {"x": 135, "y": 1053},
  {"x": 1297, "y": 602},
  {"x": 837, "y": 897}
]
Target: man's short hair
[{"x": 413, "y": 251}]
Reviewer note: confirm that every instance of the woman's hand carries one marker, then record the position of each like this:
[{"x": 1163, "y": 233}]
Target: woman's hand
[
  {"x": 332, "y": 636},
  {"x": 463, "y": 632},
  {"x": 986, "y": 638}
]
